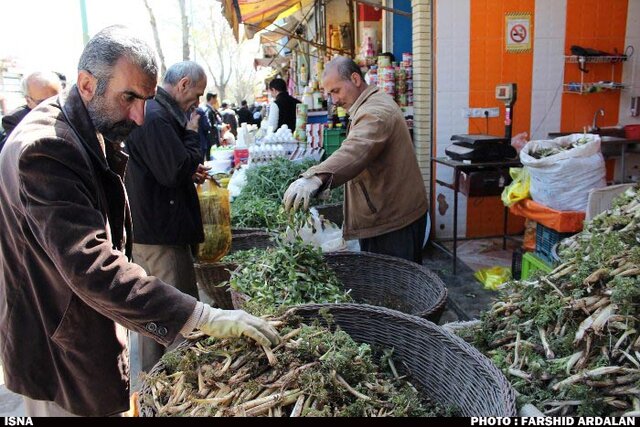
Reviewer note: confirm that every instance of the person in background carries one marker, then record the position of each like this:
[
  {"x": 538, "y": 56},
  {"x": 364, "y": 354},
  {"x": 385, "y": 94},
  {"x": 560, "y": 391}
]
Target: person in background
[
  {"x": 244, "y": 115},
  {"x": 229, "y": 117},
  {"x": 66, "y": 280},
  {"x": 204, "y": 134},
  {"x": 215, "y": 119},
  {"x": 164, "y": 163},
  {"x": 36, "y": 87},
  {"x": 228, "y": 140},
  {"x": 385, "y": 197},
  {"x": 257, "y": 114},
  {"x": 283, "y": 110}
]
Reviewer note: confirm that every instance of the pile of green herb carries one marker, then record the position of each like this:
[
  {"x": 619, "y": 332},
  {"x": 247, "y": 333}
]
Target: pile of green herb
[
  {"x": 260, "y": 201},
  {"x": 313, "y": 372},
  {"x": 570, "y": 340},
  {"x": 288, "y": 274}
]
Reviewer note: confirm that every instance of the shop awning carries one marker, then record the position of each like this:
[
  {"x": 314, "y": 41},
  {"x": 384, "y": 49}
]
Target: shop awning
[
  {"x": 277, "y": 62},
  {"x": 259, "y": 14}
]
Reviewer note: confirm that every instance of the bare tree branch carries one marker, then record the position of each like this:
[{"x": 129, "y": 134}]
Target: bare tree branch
[
  {"x": 185, "y": 30},
  {"x": 156, "y": 37}
]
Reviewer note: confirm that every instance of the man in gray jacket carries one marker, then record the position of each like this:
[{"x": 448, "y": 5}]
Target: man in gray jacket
[{"x": 66, "y": 282}]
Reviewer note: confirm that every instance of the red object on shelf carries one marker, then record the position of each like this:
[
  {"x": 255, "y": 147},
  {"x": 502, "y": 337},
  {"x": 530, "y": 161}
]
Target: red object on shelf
[
  {"x": 632, "y": 131},
  {"x": 560, "y": 221},
  {"x": 368, "y": 13}
]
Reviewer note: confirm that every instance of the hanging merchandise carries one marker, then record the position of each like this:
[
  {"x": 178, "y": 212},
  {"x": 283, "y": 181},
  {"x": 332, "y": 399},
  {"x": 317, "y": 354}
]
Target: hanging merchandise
[
  {"x": 216, "y": 221},
  {"x": 335, "y": 39},
  {"x": 303, "y": 75},
  {"x": 345, "y": 35},
  {"x": 300, "y": 133}
]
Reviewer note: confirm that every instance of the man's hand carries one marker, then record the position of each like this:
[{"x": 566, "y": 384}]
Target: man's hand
[
  {"x": 301, "y": 190},
  {"x": 201, "y": 174},
  {"x": 235, "y": 323},
  {"x": 192, "y": 124}
]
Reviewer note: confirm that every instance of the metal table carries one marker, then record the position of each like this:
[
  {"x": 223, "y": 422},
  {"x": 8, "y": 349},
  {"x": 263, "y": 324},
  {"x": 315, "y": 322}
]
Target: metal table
[{"x": 458, "y": 168}]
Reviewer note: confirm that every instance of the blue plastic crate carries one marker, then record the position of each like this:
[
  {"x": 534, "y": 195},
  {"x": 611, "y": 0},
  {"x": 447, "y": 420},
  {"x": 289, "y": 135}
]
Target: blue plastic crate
[{"x": 546, "y": 238}]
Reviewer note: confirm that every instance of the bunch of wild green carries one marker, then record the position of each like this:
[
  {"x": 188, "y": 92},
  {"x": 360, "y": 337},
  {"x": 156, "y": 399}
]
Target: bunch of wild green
[
  {"x": 570, "y": 340},
  {"x": 259, "y": 204},
  {"x": 288, "y": 274}
]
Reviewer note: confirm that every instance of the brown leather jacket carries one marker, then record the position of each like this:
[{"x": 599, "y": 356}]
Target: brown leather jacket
[
  {"x": 384, "y": 189},
  {"x": 64, "y": 277}
]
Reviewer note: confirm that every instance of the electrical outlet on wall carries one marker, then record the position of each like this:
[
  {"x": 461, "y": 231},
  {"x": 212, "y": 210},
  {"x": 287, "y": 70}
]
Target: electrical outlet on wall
[
  {"x": 484, "y": 112},
  {"x": 480, "y": 112}
]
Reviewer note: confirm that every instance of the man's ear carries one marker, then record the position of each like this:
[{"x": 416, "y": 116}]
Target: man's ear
[
  {"x": 184, "y": 84},
  {"x": 86, "y": 84},
  {"x": 356, "y": 79}
]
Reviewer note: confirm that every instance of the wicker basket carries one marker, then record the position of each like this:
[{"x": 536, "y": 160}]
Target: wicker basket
[
  {"x": 250, "y": 240},
  {"x": 441, "y": 365},
  {"x": 384, "y": 281},
  {"x": 332, "y": 212},
  {"x": 210, "y": 275}
]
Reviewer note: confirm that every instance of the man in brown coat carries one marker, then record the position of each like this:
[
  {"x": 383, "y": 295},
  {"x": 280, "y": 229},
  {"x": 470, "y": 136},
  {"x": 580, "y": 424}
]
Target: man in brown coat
[
  {"x": 66, "y": 282},
  {"x": 385, "y": 202}
]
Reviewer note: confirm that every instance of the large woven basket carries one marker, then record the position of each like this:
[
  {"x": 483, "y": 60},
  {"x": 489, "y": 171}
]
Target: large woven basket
[
  {"x": 390, "y": 282},
  {"x": 210, "y": 275},
  {"x": 440, "y": 364},
  {"x": 384, "y": 281}
]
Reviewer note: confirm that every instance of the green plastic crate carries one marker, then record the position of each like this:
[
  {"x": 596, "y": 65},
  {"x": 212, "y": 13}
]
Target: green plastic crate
[
  {"x": 333, "y": 140},
  {"x": 531, "y": 263}
]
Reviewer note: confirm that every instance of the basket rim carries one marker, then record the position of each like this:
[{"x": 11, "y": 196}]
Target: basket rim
[{"x": 441, "y": 297}]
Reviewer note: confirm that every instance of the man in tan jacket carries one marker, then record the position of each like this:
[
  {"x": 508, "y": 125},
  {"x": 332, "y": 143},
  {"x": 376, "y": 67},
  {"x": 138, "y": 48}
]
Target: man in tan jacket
[{"x": 385, "y": 203}]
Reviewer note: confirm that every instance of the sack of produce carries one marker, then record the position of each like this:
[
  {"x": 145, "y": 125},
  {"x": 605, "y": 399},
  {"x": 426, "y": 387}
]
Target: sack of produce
[
  {"x": 564, "y": 170},
  {"x": 216, "y": 221}
]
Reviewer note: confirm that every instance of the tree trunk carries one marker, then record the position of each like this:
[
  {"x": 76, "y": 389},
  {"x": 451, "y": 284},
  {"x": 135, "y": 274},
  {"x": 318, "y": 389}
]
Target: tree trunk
[
  {"x": 156, "y": 37},
  {"x": 185, "y": 30}
]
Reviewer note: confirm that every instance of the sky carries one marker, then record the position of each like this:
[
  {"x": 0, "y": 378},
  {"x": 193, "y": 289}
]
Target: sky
[{"x": 47, "y": 34}]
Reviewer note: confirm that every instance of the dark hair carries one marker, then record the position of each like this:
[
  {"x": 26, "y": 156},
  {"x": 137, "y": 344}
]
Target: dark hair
[
  {"x": 112, "y": 43},
  {"x": 278, "y": 84},
  {"x": 210, "y": 96},
  {"x": 192, "y": 70},
  {"x": 243, "y": 103},
  {"x": 390, "y": 55},
  {"x": 224, "y": 105}
]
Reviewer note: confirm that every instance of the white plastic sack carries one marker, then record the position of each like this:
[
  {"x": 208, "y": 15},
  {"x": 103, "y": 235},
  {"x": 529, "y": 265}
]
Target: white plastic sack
[
  {"x": 237, "y": 182},
  {"x": 563, "y": 181},
  {"x": 319, "y": 232}
]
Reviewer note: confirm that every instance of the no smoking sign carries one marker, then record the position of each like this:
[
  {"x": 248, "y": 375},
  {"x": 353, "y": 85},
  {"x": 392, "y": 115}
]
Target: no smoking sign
[{"x": 518, "y": 32}]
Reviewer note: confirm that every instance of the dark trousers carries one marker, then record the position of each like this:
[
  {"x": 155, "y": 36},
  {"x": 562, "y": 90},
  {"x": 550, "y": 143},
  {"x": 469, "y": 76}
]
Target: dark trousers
[{"x": 405, "y": 243}]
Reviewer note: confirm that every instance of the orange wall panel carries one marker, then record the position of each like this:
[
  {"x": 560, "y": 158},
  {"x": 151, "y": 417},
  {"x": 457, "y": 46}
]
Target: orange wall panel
[
  {"x": 490, "y": 65},
  {"x": 597, "y": 24}
]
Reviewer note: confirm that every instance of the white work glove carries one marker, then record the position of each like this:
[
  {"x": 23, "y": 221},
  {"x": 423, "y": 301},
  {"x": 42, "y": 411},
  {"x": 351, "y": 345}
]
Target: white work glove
[
  {"x": 301, "y": 189},
  {"x": 235, "y": 323}
]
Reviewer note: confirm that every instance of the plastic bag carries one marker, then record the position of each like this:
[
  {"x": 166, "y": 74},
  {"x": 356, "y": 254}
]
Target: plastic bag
[
  {"x": 216, "y": 221},
  {"x": 519, "y": 187},
  {"x": 562, "y": 181},
  {"x": 493, "y": 277},
  {"x": 319, "y": 232},
  {"x": 237, "y": 182}
]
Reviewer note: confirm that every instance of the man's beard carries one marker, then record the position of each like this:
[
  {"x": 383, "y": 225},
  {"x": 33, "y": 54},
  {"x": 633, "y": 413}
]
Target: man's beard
[{"x": 101, "y": 116}]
